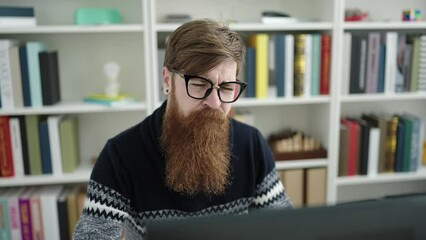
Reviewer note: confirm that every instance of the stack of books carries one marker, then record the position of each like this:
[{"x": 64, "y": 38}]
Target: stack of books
[
  {"x": 17, "y": 17},
  {"x": 102, "y": 99}
]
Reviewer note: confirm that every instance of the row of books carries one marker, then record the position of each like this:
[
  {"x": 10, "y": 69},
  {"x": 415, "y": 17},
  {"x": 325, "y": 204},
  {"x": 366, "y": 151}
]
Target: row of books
[
  {"x": 377, "y": 143},
  {"x": 29, "y": 74},
  {"x": 14, "y": 16},
  {"x": 389, "y": 62},
  {"x": 47, "y": 212},
  {"x": 279, "y": 65},
  {"x": 306, "y": 187},
  {"x": 38, "y": 144}
]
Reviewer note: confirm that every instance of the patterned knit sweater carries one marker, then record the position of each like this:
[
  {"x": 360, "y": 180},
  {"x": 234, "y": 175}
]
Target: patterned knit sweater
[{"x": 127, "y": 187}]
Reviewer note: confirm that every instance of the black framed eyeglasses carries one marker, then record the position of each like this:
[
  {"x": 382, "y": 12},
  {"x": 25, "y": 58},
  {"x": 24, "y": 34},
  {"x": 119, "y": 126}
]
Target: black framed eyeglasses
[{"x": 200, "y": 88}]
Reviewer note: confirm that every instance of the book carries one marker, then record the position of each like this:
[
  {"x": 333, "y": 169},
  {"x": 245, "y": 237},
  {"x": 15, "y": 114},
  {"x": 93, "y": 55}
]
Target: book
[
  {"x": 25, "y": 213},
  {"x": 400, "y": 65},
  {"x": 315, "y": 190},
  {"x": 6, "y": 157},
  {"x": 399, "y": 150},
  {"x": 343, "y": 150},
  {"x": 358, "y": 62},
  {"x": 15, "y": 11},
  {"x": 372, "y": 71},
  {"x": 102, "y": 99},
  {"x": 61, "y": 205},
  {"x": 293, "y": 181},
  {"x": 272, "y": 78},
  {"x": 70, "y": 150},
  {"x": 380, "y": 122},
  {"x": 48, "y": 199},
  {"x": 15, "y": 66},
  {"x": 49, "y": 75},
  {"x": 33, "y": 144},
  {"x": 353, "y": 149},
  {"x": 373, "y": 151},
  {"x": 4, "y": 216},
  {"x": 316, "y": 63},
  {"x": 24, "y": 144},
  {"x": 391, "y": 141},
  {"x": 36, "y": 215},
  {"x": 299, "y": 64},
  {"x": 25, "y": 77},
  {"x": 289, "y": 65},
  {"x": 279, "y": 61},
  {"x": 6, "y": 83},
  {"x": 33, "y": 49},
  {"x": 14, "y": 213},
  {"x": 17, "y": 150},
  {"x": 250, "y": 72},
  {"x": 13, "y": 22},
  {"x": 382, "y": 62},
  {"x": 46, "y": 158},
  {"x": 308, "y": 66},
  {"x": 325, "y": 64},
  {"x": 260, "y": 43},
  {"x": 55, "y": 143},
  {"x": 346, "y": 69}
]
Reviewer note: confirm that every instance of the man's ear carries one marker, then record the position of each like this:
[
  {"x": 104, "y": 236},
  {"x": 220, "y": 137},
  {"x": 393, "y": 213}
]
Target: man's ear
[{"x": 167, "y": 80}]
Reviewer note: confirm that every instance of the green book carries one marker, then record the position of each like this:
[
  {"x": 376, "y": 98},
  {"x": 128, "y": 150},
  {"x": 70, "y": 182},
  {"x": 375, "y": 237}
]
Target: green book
[
  {"x": 70, "y": 151},
  {"x": 408, "y": 124},
  {"x": 4, "y": 216},
  {"x": 33, "y": 144}
]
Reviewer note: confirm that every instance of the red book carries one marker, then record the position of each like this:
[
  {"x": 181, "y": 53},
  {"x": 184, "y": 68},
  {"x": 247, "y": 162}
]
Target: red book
[
  {"x": 353, "y": 142},
  {"x": 325, "y": 64},
  {"x": 6, "y": 158}
]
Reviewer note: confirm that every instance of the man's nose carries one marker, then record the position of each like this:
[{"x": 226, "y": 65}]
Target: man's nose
[{"x": 213, "y": 101}]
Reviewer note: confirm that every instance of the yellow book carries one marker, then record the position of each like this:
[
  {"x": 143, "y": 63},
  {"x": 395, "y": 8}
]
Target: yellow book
[
  {"x": 299, "y": 64},
  {"x": 260, "y": 43}
]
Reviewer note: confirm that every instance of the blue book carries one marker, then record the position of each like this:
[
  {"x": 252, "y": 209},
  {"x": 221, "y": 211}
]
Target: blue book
[
  {"x": 9, "y": 11},
  {"x": 250, "y": 72},
  {"x": 46, "y": 160},
  {"x": 316, "y": 63},
  {"x": 382, "y": 61},
  {"x": 33, "y": 49},
  {"x": 280, "y": 64},
  {"x": 25, "y": 76}
]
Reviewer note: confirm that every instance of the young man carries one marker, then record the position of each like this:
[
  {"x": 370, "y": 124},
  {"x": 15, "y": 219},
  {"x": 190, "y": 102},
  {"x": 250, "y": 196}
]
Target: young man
[{"x": 187, "y": 159}]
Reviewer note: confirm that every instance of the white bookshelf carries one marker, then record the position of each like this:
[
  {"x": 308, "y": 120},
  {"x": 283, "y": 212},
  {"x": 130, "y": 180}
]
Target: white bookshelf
[{"x": 134, "y": 44}]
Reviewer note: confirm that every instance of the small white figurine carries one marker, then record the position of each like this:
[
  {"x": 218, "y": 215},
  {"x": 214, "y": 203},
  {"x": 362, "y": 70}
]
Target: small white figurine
[{"x": 111, "y": 71}]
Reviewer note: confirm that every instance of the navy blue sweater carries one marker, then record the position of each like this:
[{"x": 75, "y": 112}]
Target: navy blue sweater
[{"x": 127, "y": 183}]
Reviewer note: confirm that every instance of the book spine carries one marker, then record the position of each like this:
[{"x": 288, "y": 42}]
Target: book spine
[
  {"x": 391, "y": 139},
  {"x": 49, "y": 77},
  {"x": 46, "y": 160},
  {"x": 15, "y": 138},
  {"x": 33, "y": 143},
  {"x": 260, "y": 43},
  {"x": 25, "y": 216},
  {"x": 12, "y": 11},
  {"x": 250, "y": 72},
  {"x": 33, "y": 49},
  {"x": 6, "y": 157},
  {"x": 14, "y": 218},
  {"x": 308, "y": 66},
  {"x": 325, "y": 64},
  {"x": 36, "y": 219},
  {"x": 4, "y": 219},
  {"x": 289, "y": 65},
  {"x": 280, "y": 64},
  {"x": 299, "y": 64},
  {"x": 6, "y": 92},
  {"x": 23, "y": 60},
  {"x": 16, "y": 77}
]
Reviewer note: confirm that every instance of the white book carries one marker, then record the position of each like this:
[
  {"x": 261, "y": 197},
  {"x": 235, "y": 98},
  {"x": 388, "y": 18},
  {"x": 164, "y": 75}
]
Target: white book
[
  {"x": 6, "y": 73},
  {"x": 14, "y": 216},
  {"x": 15, "y": 138},
  {"x": 9, "y": 22},
  {"x": 289, "y": 63},
  {"x": 373, "y": 151},
  {"x": 308, "y": 66},
  {"x": 15, "y": 66},
  {"x": 346, "y": 70},
  {"x": 49, "y": 211},
  {"x": 390, "y": 62},
  {"x": 55, "y": 143}
]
